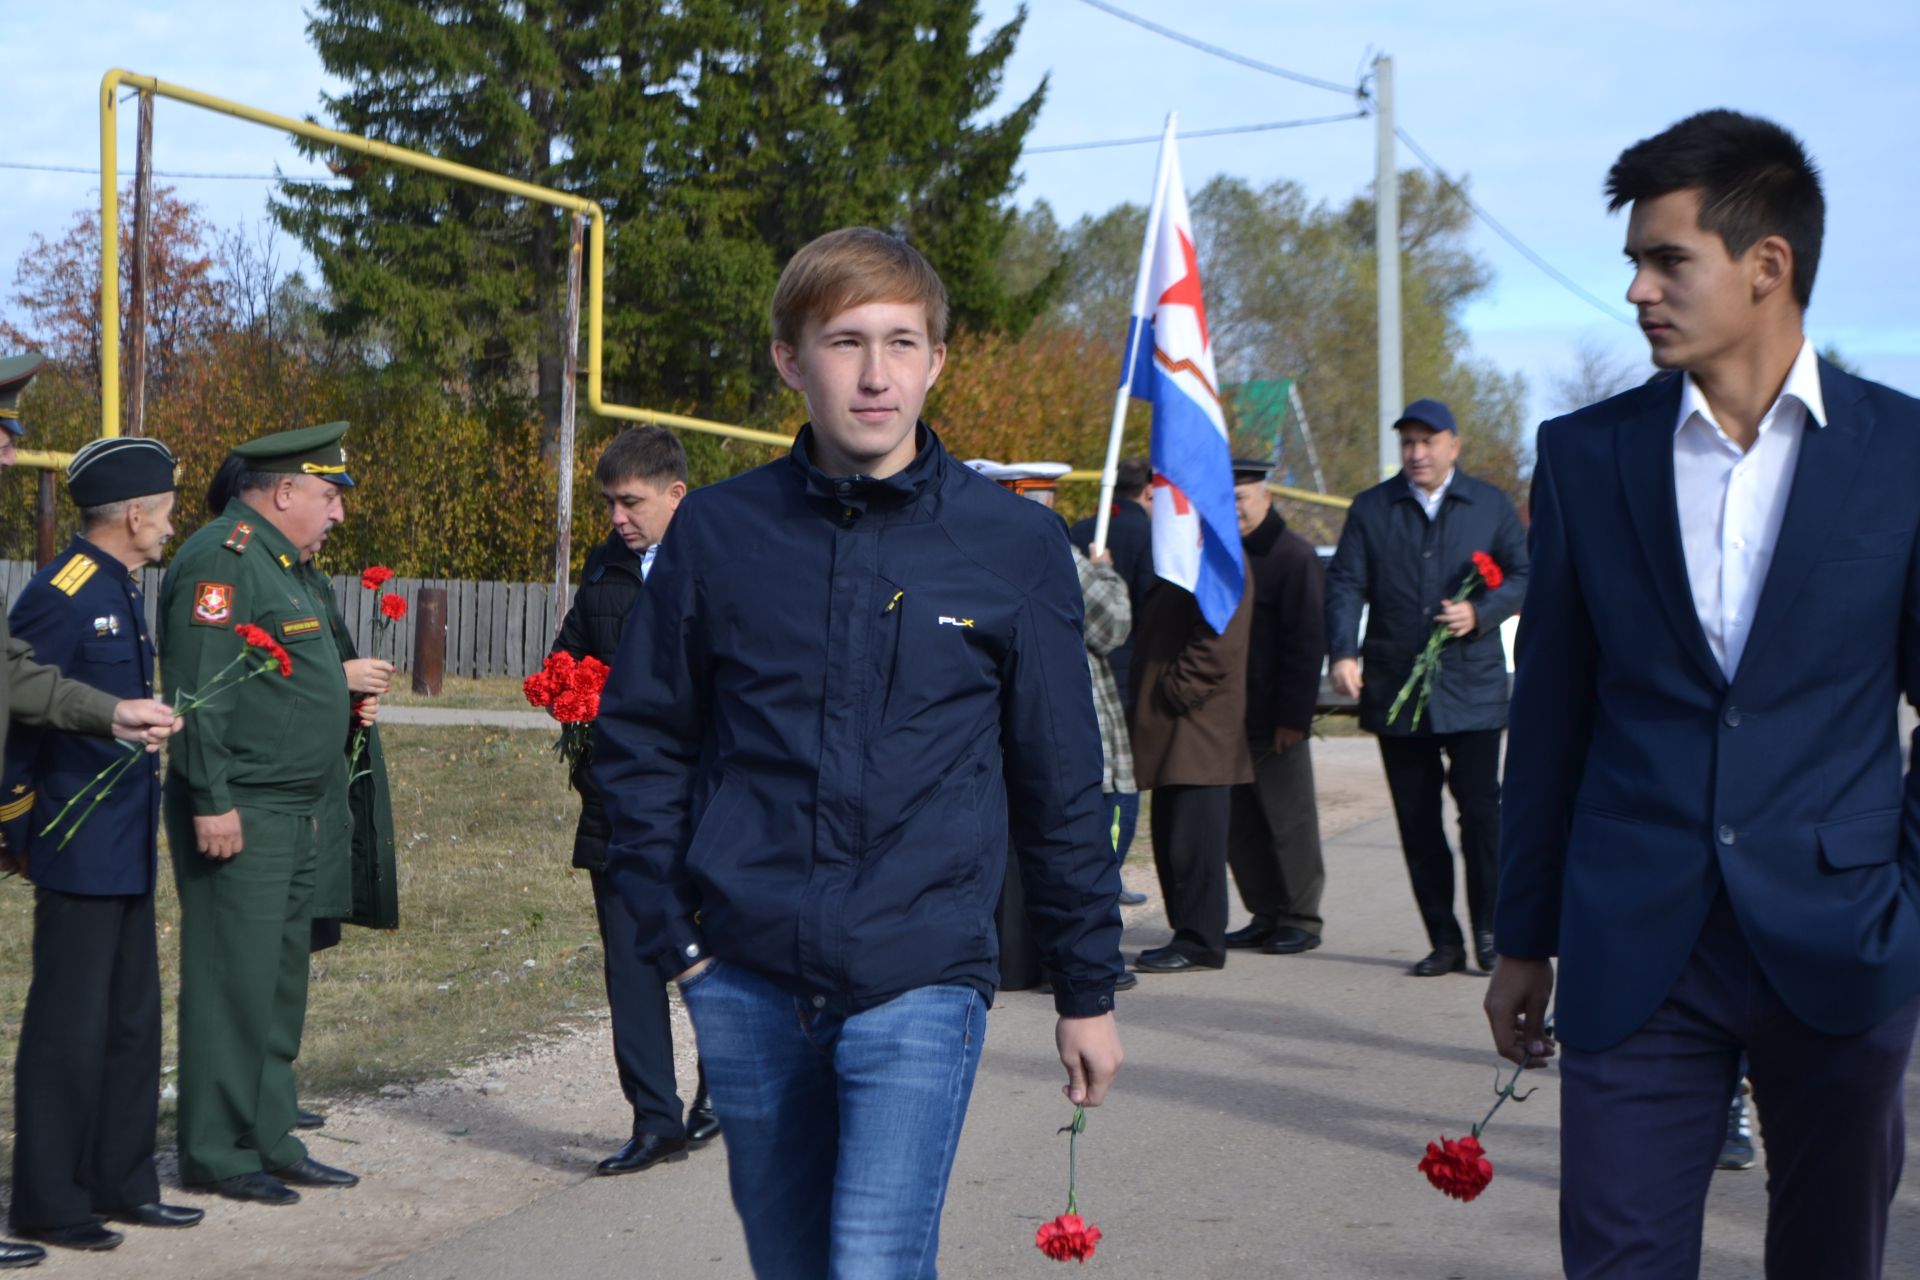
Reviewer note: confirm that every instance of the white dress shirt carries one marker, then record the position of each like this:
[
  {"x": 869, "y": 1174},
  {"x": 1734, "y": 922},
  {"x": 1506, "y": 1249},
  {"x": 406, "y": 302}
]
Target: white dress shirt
[
  {"x": 1731, "y": 501},
  {"x": 646, "y": 561},
  {"x": 1430, "y": 502}
]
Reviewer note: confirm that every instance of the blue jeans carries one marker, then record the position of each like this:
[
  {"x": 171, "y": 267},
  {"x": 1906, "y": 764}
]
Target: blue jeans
[{"x": 840, "y": 1129}]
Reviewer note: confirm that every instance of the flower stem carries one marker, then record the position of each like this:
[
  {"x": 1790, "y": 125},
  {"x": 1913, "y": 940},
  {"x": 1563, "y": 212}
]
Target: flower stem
[
  {"x": 1503, "y": 1093},
  {"x": 1074, "y": 1129}
]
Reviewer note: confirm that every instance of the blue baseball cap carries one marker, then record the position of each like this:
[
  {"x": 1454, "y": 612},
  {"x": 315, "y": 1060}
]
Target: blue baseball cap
[{"x": 1428, "y": 413}]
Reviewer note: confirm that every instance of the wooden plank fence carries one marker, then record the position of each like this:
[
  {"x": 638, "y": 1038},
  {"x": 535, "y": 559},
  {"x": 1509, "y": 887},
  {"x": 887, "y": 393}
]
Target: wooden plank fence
[{"x": 493, "y": 628}]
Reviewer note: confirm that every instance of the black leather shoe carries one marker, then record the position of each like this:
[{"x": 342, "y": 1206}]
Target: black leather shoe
[
  {"x": 1251, "y": 938},
  {"x": 1127, "y": 980},
  {"x": 255, "y": 1188},
  {"x": 1442, "y": 960},
  {"x": 305, "y": 1119},
  {"x": 1289, "y": 941},
  {"x": 20, "y": 1255},
  {"x": 1131, "y": 898},
  {"x": 702, "y": 1125},
  {"x": 1483, "y": 951},
  {"x": 90, "y": 1236},
  {"x": 159, "y": 1215},
  {"x": 643, "y": 1151},
  {"x": 1170, "y": 960},
  {"x": 311, "y": 1173}
]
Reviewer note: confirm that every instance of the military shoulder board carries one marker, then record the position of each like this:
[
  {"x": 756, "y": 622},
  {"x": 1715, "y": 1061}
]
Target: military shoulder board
[
  {"x": 73, "y": 575},
  {"x": 237, "y": 540}
]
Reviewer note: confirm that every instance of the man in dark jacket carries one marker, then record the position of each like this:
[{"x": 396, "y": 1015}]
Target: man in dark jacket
[
  {"x": 1273, "y": 834},
  {"x": 87, "y": 1088},
  {"x": 1130, "y": 543},
  {"x": 1406, "y": 549},
  {"x": 643, "y": 475},
  {"x": 853, "y": 672}
]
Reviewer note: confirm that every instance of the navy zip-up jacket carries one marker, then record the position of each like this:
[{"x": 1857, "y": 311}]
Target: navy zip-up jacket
[{"x": 833, "y": 703}]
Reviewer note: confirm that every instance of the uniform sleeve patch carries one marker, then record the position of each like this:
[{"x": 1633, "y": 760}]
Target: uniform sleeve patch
[
  {"x": 16, "y": 809},
  {"x": 294, "y": 628},
  {"x": 237, "y": 540},
  {"x": 73, "y": 575},
  {"x": 213, "y": 603}
]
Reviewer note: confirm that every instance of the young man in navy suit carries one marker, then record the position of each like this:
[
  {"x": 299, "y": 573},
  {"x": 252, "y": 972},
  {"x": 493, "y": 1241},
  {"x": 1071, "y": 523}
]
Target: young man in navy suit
[{"x": 1705, "y": 816}]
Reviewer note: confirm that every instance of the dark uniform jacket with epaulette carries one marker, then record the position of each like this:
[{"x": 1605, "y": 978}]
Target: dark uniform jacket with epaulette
[
  {"x": 273, "y": 742},
  {"x": 85, "y": 615}
]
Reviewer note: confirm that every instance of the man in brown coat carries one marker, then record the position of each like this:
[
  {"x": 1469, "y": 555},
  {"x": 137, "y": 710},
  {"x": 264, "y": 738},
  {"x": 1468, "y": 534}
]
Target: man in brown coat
[{"x": 1188, "y": 720}]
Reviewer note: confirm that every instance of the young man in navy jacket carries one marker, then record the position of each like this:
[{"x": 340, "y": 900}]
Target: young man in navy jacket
[{"x": 852, "y": 672}]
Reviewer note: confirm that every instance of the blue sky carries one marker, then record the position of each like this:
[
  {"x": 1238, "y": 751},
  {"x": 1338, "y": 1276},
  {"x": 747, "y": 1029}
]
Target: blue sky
[{"x": 1532, "y": 101}]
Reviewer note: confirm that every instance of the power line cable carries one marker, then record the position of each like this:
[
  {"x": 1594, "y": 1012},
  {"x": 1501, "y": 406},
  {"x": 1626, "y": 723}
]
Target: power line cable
[
  {"x": 1194, "y": 133},
  {"x": 1559, "y": 276},
  {"x": 164, "y": 173},
  {"x": 1351, "y": 91}
]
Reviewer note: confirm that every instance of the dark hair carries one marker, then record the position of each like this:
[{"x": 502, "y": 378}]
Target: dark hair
[
  {"x": 225, "y": 485},
  {"x": 645, "y": 453},
  {"x": 1754, "y": 180},
  {"x": 1131, "y": 478}
]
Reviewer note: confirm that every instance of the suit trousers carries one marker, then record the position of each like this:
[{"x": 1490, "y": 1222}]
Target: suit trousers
[
  {"x": 642, "y": 1025},
  {"x": 1641, "y": 1126},
  {"x": 1471, "y": 770},
  {"x": 87, "y": 1082},
  {"x": 245, "y": 933},
  {"x": 1273, "y": 839},
  {"x": 1189, "y": 828}
]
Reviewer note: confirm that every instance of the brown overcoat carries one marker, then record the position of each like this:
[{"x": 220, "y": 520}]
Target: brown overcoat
[{"x": 1187, "y": 708}]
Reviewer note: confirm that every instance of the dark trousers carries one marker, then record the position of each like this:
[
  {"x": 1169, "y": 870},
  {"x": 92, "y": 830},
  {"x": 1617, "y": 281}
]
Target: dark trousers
[
  {"x": 1273, "y": 839},
  {"x": 642, "y": 1025},
  {"x": 1128, "y": 803},
  {"x": 1189, "y": 828},
  {"x": 1020, "y": 968},
  {"x": 1641, "y": 1126},
  {"x": 1471, "y": 770},
  {"x": 87, "y": 1081}
]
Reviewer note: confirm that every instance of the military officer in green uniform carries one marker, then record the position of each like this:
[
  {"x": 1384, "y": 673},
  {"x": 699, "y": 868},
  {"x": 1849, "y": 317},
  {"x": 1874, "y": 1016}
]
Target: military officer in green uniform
[
  {"x": 247, "y": 785},
  {"x": 40, "y": 696}
]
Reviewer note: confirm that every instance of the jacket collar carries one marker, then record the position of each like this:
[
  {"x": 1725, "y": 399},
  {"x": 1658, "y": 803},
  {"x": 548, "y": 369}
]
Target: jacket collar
[
  {"x": 1266, "y": 533},
  {"x": 271, "y": 540},
  {"x": 864, "y": 492},
  {"x": 81, "y": 547},
  {"x": 1460, "y": 488}
]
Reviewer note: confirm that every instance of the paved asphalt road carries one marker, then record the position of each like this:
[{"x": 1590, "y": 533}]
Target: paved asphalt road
[{"x": 1267, "y": 1124}]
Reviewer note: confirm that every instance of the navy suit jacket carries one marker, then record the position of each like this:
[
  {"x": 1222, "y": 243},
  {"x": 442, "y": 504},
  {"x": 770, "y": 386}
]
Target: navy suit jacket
[
  {"x": 1640, "y": 780},
  {"x": 84, "y": 614}
]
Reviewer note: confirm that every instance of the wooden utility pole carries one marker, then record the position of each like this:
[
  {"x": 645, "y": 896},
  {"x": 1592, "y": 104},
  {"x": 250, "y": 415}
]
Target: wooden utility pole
[
  {"x": 137, "y": 301},
  {"x": 569, "y": 378}
]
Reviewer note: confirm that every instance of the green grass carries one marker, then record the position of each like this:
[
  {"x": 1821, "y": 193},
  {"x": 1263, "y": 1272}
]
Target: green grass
[
  {"x": 492, "y": 693},
  {"x": 483, "y": 825}
]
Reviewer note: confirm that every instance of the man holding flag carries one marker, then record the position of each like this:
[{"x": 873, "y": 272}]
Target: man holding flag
[{"x": 1188, "y": 697}]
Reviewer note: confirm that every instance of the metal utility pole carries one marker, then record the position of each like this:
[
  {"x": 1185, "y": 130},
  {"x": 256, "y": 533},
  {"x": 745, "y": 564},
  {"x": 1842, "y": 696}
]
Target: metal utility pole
[
  {"x": 1386, "y": 242},
  {"x": 137, "y": 303}
]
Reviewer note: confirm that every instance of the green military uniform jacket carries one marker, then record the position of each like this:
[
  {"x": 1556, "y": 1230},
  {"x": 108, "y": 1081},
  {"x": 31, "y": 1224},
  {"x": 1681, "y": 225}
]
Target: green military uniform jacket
[
  {"x": 355, "y": 881},
  {"x": 274, "y": 742}
]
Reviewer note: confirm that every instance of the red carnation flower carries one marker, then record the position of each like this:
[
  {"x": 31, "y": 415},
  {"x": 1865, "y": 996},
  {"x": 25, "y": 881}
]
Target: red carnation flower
[
  {"x": 257, "y": 638},
  {"x": 1068, "y": 1238},
  {"x": 1459, "y": 1169},
  {"x": 590, "y": 675},
  {"x": 375, "y": 576},
  {"x": 1490, "y": 571},
  {"x": 539, "y": 688},
  {"x": 393, "y": 607}
]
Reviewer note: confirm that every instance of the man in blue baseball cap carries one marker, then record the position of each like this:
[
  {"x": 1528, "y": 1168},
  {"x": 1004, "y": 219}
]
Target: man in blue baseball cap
[{"x": 1408, "y": 544}]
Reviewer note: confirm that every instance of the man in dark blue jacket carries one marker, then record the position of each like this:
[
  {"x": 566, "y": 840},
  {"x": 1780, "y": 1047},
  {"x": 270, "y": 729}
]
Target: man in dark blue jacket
[
  {"x": 852, "y": 673},
  {"x": 1706, "y": 819},
  {"x": 87, "y": 1086},
  {"x": 1407, "y": 546}
]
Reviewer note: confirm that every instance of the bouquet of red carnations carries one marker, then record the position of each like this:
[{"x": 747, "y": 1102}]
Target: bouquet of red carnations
[{"x": 569, "y": 691}]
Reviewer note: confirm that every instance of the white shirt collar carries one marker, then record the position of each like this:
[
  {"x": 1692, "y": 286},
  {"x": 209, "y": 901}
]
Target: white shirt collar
[
  {"x": 1430, "y": 502},
  {"x": 1803, "y": 384},
  {"x": 646, "y": 560}
]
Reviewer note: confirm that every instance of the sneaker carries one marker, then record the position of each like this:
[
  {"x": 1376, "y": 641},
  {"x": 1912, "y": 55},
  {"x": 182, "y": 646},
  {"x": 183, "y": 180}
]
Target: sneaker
[{"x": 1737, "y": 1152}]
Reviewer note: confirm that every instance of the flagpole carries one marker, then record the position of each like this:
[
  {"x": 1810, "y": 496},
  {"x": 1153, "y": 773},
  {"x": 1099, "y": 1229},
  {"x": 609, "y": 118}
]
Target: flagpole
[{"x": 1104, "y": 514}]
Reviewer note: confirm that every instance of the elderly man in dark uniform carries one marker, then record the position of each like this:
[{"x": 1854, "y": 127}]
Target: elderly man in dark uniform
[
  {"x": 40, "y": 696},
  {"x": 87, "y": 1087},
  {"x": 1273, "y": 833},
  {"x": 243, "y": 796}
]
